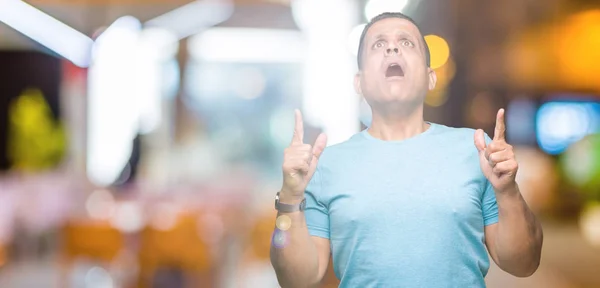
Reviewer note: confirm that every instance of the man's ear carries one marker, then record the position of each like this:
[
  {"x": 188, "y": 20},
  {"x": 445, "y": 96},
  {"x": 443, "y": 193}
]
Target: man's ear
[
  {"x": 357, "y": 87},
  {"x": 432, "y": 78}
]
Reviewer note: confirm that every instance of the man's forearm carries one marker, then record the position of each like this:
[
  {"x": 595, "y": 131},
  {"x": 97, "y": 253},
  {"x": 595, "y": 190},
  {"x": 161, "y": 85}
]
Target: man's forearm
[
  {"x": 519, "y": 238},
  {"x": 294, "y": 255}
]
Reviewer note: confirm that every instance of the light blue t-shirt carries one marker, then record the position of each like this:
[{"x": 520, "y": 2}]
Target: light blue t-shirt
[{"x": 407, "y": 213}]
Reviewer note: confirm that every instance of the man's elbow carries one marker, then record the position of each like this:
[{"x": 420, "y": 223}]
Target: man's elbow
[
  {"x": 522, "y": 268},
  {"x": 527, "y": 271},
  {"x": 535, "y": 256}
]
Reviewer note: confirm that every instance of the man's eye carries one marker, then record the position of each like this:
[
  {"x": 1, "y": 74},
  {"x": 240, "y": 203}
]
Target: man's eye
[
  {"x": 378, "y": 44},
  {"x": 407, "y": 43}
]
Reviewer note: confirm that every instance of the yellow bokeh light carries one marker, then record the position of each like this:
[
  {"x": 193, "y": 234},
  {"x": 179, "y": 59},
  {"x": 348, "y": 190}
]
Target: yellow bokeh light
[
  {"x": 577, "y": 45},
  {"x": 589, "y": 223},
  {"x": 439, "y": 95},
  {"x": 283, "y": 222},
  {"x": 438, "y": 49}
]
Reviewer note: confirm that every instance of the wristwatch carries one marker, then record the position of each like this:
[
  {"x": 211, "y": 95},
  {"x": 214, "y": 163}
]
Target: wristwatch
[{"x": 287, "y": 208}]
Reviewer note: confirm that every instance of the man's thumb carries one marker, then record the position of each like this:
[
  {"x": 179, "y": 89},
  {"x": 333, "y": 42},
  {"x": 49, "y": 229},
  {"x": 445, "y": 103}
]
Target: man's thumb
[
  {"x": 320, "y": 144},
  {"x": 479, "y": 140}
]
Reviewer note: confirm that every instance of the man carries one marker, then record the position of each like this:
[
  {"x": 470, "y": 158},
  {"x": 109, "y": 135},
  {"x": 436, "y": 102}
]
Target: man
[{"x": 404, "y": 203}]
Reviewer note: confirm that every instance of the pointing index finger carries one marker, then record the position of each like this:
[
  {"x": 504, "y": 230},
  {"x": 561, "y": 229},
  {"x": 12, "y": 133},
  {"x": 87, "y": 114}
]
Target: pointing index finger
[
  {"x": 500, "y": 127},
  {"x": 298, "y": 128}
]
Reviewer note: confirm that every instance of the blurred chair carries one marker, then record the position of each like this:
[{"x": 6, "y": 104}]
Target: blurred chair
[
  {"x": 179, "y": 248},
  {"x": 260, "y": 237},
  {"x": 97, "y": 241},
  {"x": 3, "y": 255},
  {"x": 254, "y": 268}
]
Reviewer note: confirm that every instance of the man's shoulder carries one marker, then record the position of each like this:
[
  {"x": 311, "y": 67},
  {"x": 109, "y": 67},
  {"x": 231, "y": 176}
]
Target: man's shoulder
[{"x": 455, "y": 133}]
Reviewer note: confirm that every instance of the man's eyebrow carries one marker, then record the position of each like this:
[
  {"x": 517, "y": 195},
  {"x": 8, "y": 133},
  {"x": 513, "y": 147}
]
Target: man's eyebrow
[
  {"x": 406, "y": 35},
  {"x": 378, "y": 37}
]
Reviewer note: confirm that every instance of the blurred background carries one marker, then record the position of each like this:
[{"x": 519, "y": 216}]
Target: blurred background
[{"x": 141, "y": 140}]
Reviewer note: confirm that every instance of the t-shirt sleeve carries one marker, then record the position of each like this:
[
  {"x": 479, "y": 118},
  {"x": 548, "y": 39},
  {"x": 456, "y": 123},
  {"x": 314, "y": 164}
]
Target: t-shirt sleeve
[
  {"x": 316, "y": 213},
  {"x": 488, "y": 201},
  {"x": 489, "y": 205}
]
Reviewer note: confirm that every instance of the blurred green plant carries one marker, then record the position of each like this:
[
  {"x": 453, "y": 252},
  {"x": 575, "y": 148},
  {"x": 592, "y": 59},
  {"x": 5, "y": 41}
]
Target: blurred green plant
[
  {"x": 35, "y": 140},
  {"x": 581, "y": 166}
]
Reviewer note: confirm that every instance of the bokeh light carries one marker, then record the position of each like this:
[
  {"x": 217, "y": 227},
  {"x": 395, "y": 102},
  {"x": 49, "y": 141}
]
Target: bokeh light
[
  {"x": 280, "y": 238},
  {"x": 579, "y": 53},
  {"x": 164, "y": 216},
  {"x": 100, "y": 204},
  {"x": 98, "y": 277},
  {"x": 559, "y": 124},
  {"x": 283, "y": 222},
  {"x": 581, "y": 164},
  {"x": 590, "y": 223},
  {"x": 439, "y": 95},
  {"x": 128, "y": 217},
  {"x": 438, "y": 49}
]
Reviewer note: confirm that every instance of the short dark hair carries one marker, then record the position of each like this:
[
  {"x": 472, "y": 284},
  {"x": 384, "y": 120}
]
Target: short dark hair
[{"x": 386, "y": 15}]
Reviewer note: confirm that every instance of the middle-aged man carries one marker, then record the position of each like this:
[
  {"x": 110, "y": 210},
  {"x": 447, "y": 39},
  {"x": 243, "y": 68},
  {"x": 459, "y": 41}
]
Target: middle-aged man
[{"x": 405, "y": 202}]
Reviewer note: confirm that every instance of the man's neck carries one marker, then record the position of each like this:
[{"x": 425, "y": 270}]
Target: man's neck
[{"x": 397, "y": 125}]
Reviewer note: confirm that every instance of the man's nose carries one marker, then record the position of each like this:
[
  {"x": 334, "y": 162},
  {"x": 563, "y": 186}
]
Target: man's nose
[{"x": 392, "y": 50}]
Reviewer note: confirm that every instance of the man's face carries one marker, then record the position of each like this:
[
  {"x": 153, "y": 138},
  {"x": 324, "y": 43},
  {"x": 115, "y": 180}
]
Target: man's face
[{"x": 394, "y": 68}]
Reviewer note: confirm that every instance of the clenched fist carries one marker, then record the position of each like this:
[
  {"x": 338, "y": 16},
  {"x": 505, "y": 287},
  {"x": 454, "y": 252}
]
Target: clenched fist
[{"x": 299, "y": 162}]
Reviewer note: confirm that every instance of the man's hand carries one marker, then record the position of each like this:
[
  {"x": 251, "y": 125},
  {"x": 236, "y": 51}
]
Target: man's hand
[
  {"x": 300, "y": 162},
  {"x": 497, "y": 160}
]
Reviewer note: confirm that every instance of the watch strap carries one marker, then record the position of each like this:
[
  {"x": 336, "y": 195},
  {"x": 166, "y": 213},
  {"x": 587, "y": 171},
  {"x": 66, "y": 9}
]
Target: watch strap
[{"x": 287, "y": 208}]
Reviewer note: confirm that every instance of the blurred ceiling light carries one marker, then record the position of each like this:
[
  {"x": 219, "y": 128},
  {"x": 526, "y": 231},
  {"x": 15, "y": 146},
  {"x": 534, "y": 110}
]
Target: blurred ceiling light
[
  {"x": 354, "y": 38},
  {"x": 159, "y": 43},
  {"x": 113, "y": 118},
  {"x": 156, "y": 47},
  {"x": 376, "y": 7},
  {"x": 311, "y": 15},
  {"x": 438, "y": 49},
  {"x": 51, "y": 33},
  {"x": 126, "y": 84},
  {"x": 248, "y": 45},
  {"x": 194, "y": 17},
  {"x": 328, "y": 67}
]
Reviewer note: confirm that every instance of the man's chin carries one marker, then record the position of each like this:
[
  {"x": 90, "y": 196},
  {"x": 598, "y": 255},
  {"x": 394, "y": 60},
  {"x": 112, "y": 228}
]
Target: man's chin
[{"x": 395, "y": 101}]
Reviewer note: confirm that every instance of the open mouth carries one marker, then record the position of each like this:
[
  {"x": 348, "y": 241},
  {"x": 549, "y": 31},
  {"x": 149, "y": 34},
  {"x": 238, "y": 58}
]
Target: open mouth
[{"x": 394, "y": 70}]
